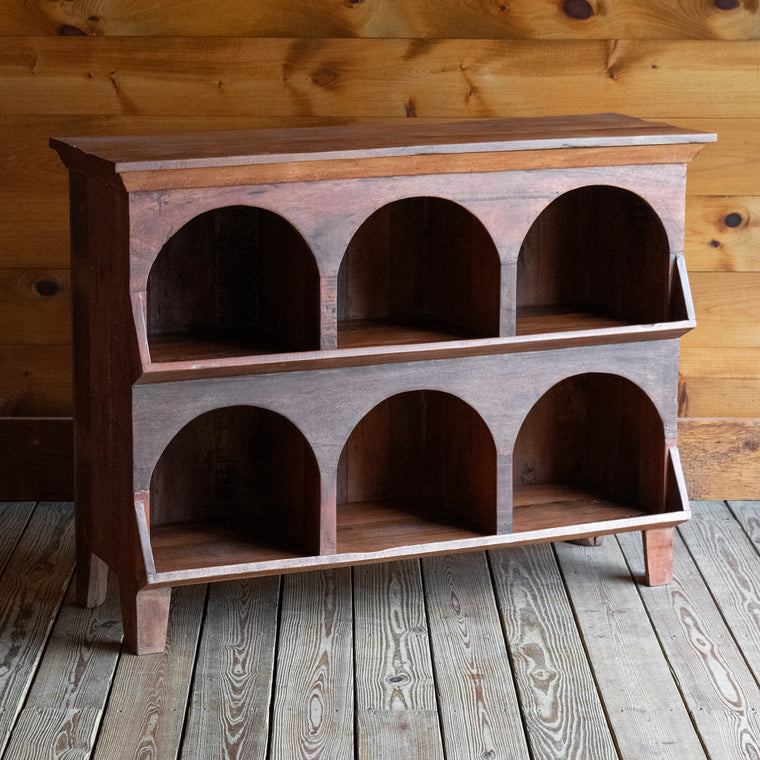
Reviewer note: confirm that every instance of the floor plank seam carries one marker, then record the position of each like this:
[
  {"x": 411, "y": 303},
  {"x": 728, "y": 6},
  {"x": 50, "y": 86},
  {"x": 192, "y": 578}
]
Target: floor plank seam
[
  {"x": 589, "y": 662},
  {"x": 185, "y": 718},
  {"x": 510, "y": 658},
  {"x": 275, "y": 660},
  {"x": 354, "y": 661},
  {"x": 431, "y": 647}
]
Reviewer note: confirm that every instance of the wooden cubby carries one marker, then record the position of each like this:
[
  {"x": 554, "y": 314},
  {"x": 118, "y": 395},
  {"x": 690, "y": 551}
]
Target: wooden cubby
[{"x": 306, "y": 348}]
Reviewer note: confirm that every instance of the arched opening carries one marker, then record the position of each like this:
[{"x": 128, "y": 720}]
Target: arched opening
[
  {"x": 597, "y": 256},
  {"x": 592, "y": 448},
  {"x": 233, "y": 281},
  {"x": 419, "y": 467},
  {"x": 236, "y": 484},
  {"x": 418, "y": 270}
]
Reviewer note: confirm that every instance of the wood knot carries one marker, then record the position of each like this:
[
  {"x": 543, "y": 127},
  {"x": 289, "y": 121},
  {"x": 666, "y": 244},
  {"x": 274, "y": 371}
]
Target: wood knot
[
  {"x": 46, "y": 287},
  {"x": 726, "y": 5},
  {"x": 733, "y": 219},
  {"x": 325, "y": 76},
  {"x": 578, "y": 9},
  {"x": 68, "y": 30}
]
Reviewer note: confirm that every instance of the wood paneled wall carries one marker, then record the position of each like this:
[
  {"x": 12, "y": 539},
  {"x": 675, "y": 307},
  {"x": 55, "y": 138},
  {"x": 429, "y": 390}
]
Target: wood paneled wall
[{"x": 132, "y": 66}]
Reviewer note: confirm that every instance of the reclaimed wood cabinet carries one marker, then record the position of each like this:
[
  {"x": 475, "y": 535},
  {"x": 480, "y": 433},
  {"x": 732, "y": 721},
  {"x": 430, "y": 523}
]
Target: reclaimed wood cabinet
[{"x": 313, "y": 347}]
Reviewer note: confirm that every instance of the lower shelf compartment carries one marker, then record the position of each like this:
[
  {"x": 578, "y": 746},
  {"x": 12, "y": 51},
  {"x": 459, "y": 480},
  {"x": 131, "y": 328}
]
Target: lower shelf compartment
[
  {"x": 179, "y": 547},
  {"x": 380, "y": 531},
  {"x": 557, "y": 507}
]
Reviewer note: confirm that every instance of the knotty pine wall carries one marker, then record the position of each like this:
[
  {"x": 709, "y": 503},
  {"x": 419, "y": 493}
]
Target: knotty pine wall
[{"x": 73, "y": 67}]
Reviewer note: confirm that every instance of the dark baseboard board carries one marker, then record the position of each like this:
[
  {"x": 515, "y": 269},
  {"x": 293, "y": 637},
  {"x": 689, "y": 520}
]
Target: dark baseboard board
[{"x": 36, "y": 459}]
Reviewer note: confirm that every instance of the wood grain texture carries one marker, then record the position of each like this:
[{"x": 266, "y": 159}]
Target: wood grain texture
[
  {"x": 521, "y": 19},
  {"x": 723, "y": 233},
  {"x": 80, "y": 659},
  {"x": 54, "y": 733},
  {"x": 477, "y": 700},
  {"x": 147, "y": 717},
  {"x": 376, "y": 78},
  {"x": 729, "y": 563},
  {"x": 39, "y": 377},
  {"x": 719, "y": 381},
  {"x": 35, "y": 306},
  {"x": 721, "y": 457},
  {"x": 314, "y": 690},
  {"x": 712, "y": 676},
  {"x": 633, "y": 677},
  {"x": 563, "y": 714},
  {"x": 723, "y": 321},
  {"x": 14, "y": 516},
  {"x": 31, "y": 591},
  {"x": 229, "y": 709},
  {"x": 396, "y": 703}
]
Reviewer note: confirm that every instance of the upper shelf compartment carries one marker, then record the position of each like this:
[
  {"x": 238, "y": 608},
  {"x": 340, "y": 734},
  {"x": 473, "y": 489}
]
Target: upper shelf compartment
[
  {"x": 596, "y": 257},
  {"x": 234, "y": 281},
  {"x": 418, "y": 270}
]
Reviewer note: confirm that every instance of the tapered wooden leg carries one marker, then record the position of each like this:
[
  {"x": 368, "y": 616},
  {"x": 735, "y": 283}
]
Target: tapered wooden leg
[
  {"x": 145, "y": 616},
  {"x": 91, "y": 580},
  {"x": 658, "y": 556}
]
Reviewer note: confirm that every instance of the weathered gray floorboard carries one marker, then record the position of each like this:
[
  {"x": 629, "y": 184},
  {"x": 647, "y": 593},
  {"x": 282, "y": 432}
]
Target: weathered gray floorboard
[
  {"x": 31, "y": 591},
  {"x": 229, "y": 706},
  {"x": 14, "y": 516},
  {"x": 676, "y": 668},
  {"x": 730, "y": 565},
  {"x": 396, "y": 708},
  {"x": 645, "y": 709},
  {"x": 314, "y": 696},
  {"x": 563, "y": 714},
  {"x": 718, "y": 687},
  {"x": 480, "y": 714},
  {"x": 48, "y": 733},
  {"x": 73, "y": 681},
  {"x": 146, "y": 712}
]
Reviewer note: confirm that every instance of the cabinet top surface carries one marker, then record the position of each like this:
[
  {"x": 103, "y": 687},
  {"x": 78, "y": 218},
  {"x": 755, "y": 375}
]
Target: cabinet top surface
[{"x": 356, "y": 141}]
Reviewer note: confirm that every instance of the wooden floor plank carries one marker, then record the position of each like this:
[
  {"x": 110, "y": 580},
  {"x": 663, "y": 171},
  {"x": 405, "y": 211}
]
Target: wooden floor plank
[
  {"x": 229, "y": 707},
  {"x": 65, "y": 705},
  {"x": 81, "y": 655},
  {"x": 563, "y": 714},
  {"x": 396, "y": 708},
  {"x": 646, "y": 712},
  {"x": 480, "y": 714},
  {"x": 747, "y": 514},
  {"x": 32, "y": 589},
  {"x": 54, "y": 734},
  {"x": 13, "y": 516},
  {"x": 730, "y": 564},
  {"x": 146, "y": 711},
  {"x": 313, "y": 714},
  {"x": 720, "y": 692}
]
